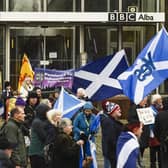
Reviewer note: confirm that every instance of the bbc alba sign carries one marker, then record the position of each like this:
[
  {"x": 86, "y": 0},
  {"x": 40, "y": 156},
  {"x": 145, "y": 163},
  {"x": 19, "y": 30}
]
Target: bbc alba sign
[{"x": 136, "y": 17}]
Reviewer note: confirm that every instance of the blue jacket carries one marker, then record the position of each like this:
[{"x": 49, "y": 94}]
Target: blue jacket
[{"x": 81, "y": 124}]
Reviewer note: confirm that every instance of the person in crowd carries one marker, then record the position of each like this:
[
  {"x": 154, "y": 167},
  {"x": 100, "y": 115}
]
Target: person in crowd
[
  {"x": 54, "y": 117},
  {"x": 31, "y": 104},
  {"x": 10, "y": 103},
  {"x": 38, "y": 137},
  {"x": 154, "y": 144},
  {"x": 47, "y": 102},
  {"x": 133, "y": 116},
  {"x": 161, "y": 132},
  {"x": 66, "y": 150},
  {"x": 82, "y": 127},
  {"x": 111, "y": 128},
  {"x": 81, "y": 94},
  {"x": 14, "y": 134},
  {"x": 26, "y": 87},
  {"x": 128, "y": 146},
  {"x": 6, "y": 94},
  {"x": 20, "y": 102},
  {"x": 39, "y": 92},
  {"x": 6, "y": 149}
]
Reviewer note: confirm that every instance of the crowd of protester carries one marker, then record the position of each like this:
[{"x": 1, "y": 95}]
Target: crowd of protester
[{"x": 37, "y": 134}]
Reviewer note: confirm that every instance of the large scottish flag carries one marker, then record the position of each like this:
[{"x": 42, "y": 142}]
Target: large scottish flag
[
  {"x": 149, "y": 70},
  {"x": 99, "y": 78},
  {"x": 68, "y": 103}
]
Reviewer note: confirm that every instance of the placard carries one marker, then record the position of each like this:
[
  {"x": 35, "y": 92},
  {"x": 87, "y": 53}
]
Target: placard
[{"x": 145, "y": 115}]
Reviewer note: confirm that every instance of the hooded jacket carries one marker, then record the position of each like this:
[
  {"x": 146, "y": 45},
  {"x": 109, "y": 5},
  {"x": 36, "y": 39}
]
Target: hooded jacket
[{"x": 38, "y": 131}]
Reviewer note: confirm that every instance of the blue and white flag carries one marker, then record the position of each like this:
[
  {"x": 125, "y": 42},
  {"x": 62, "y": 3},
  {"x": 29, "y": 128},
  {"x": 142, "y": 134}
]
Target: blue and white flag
[
  {"x": 93, "y": 153},
  {"x": 127, "y": 150},
  {"x": 99, "y": 78},
  {"x": 68, "y": 103},
  {"x": 149, "y": 70}
]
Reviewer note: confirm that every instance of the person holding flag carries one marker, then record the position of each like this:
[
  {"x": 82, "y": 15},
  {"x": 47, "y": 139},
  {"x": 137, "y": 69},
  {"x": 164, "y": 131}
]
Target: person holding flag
[
  {"x": 111, "y": 128},
  {"x": 26, "y": 77},
  {"x": 127, "y": 151},
  {"x": 82, "y": 129}
]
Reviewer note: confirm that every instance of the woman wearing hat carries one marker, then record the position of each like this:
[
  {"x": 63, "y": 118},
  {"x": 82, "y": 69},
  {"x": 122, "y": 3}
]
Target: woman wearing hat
[{"x": 82, "y": 126}]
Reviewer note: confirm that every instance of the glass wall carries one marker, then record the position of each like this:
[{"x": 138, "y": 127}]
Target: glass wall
[
  {"x": 96, "y": 5},
  {"x": 25, "y": 5},
  {"x": 95, "y": 42},
  {"x": 60, "y": 5},
  {"x": 114, "y": 5},
  {"x": 52, "y": 44},
  {"x": 2, "y": 5},
  {"x": 2, "y": 55}
]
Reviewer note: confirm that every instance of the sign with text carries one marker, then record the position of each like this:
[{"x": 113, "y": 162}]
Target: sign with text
[
  {"x": 136, "y": 17},
  {"x": 48, "y": 78},
  {"x": 145, "y": 115}
]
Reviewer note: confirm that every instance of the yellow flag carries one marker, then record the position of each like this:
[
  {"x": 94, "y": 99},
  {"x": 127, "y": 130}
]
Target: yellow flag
[{"x": 26, "y": 71}]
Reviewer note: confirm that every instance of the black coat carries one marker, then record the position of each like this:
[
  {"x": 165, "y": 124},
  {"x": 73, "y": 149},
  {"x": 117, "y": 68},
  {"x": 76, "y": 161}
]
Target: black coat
[
  {"x": 161, "y": 125},
  {"x": 66, "y": 152},
  {"x": 111, "y": 130}
]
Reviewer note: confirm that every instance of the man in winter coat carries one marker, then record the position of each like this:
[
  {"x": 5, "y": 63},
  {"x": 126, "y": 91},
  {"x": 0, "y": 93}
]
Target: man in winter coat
[
  {"x": 14, "y": 133},
  {"x": 111, "y": 129}
]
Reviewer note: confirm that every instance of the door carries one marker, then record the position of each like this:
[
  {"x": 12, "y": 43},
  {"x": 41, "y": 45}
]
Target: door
[{"x": 54, "y": 45}]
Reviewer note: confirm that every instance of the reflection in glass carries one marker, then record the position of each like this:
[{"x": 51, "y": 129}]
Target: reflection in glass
[
  {"x": 25, "y": 5},
  {"x": 59, "y": 5}
]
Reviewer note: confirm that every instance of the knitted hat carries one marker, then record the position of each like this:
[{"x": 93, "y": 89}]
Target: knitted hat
[
  {"x": 5, "y": 144},
  {"x": 20, "y": 102},
  {"x": 110, "y": 107},
  {"x": 155, "y": 97}
]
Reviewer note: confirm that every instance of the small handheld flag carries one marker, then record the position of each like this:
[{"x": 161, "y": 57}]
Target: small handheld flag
[{"x": 68, "y": 103}]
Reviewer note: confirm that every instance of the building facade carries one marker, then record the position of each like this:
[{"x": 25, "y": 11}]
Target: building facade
[{"x": 68, "y": 33}]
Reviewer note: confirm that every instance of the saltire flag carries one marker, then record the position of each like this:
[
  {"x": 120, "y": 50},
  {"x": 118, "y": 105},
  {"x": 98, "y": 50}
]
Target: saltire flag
[
  {"x": 68, "y": 103},
  {"x": 99, "y": 78},
  {"x": 26, "y": 71},
  {"x": 93, "y": 153},
  {"x": 127, "y": 151},
  {"x": 81, "y": 158},
  {"x": 95, "y": 124},
  {"x": 149, "y": 70}
]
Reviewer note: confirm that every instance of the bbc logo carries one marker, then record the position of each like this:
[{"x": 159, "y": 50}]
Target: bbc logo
[{"x": 122, "y": 17}]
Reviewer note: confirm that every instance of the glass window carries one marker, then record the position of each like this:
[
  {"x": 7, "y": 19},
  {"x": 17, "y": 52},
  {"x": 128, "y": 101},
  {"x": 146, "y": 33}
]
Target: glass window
[
  {"x": 2, "y": 5},
  {"x": 25, "y": 5},
  {"x": 96, "y": 5},
  {"x": 114, "y": 5},
  {"x": 52, "y": 44},
  {"x": 148, "y": 5},
  {"x": 127, "y": 3},
  {"x": 60, "y": 5},
  {"x": 2, "y": 55},
  {"x": 95, "y": 43}
]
